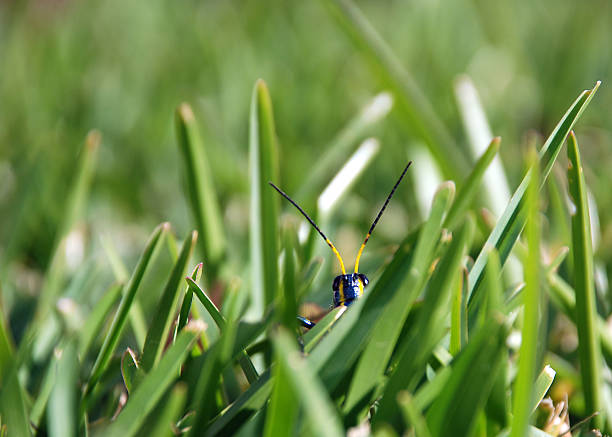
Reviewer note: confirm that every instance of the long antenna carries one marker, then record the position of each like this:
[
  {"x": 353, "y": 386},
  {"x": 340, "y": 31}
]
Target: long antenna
[
  {"x": 378, "y": 217},
  {"x": 314, "y": 225}
]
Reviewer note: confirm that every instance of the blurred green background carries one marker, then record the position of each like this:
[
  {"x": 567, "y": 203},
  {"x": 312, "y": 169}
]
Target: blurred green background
[{"x": 123, "y": 68}]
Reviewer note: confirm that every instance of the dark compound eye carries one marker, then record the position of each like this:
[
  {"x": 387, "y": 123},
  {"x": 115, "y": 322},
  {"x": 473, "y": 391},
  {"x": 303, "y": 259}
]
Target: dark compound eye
[
  {"x": 364, "y": 279},
  {"x": 336, "y": 283}
]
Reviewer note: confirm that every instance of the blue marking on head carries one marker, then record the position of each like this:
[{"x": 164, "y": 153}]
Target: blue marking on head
[{"x": 350, "y": 287}]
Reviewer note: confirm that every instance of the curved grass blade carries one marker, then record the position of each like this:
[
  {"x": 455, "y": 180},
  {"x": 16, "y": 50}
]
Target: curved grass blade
[
  {"x": 112, "y": 338},
  {"x": 542, "y": 384},
  {"x": 586, "y": 314},
  {"x": 158, "y": 331},
  {"x": 154, "y": 385},
  {"x": 510, "y": 224},
  {"x": 523, "y": 391},
  {"x": 387, "y": 328},
  {"x": 263, "y": 155},
  {"x": 320, "y": 413},
  {"x": 63, "y": 402},
  {"x": 416, "y": 110},
  {"x": 468, "y": 190},
  {"x": 200, "y": 185},
  {"x": 187, "y": 299}
]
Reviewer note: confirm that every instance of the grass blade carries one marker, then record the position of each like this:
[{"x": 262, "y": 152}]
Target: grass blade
[
  {"x": 155, "y": 384},
  {"x": 116, "y": 328},
  {"x": 187, "y": 299},
  {"x": 510, "y": 224},
  {"x": 416, "y": 109},
  {"x": 263, "y": 153},
  {"x": 207, "y": 302},
  {"x": 456, "y": 408},
  {"x": 340, "y": 147},
  {"x": 429, "y": 328},
  {"x": 320, "y": 413},
  {"x": 12, "y": 404},
  {"x": 528, "y": 356},
  {"x": 468, "y": 190},
  {"x": 542, "y": 384},
  {"x": 63, "y": 402},
  {"x": 586, "y": 314},
  {"x": 75, "y": 206},
  {"x": 158, "y": 331},
  {"x": 93, "y": 325},
  {"x": 173, "y": 406},
  {"x": 412, "y": 415},
  {"x": 387, "y": 329},
  {"x": 202, "y": 194},
  {"x": 283, "y": 410}
]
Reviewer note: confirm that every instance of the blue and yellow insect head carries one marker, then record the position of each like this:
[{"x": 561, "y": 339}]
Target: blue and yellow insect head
[{"x": 346, "y": 287}]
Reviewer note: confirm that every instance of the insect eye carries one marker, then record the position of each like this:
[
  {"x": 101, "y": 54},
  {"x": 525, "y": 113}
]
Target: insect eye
[
  {"x": 364, "y": 279},
  {"x": 336, "y": 283}
]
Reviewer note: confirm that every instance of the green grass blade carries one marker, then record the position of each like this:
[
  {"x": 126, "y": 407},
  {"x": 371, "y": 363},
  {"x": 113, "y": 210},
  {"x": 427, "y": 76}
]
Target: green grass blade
[
  {"x": 429, "y": 328},
  {"x": 542, "y": 384},
  {"x": 412, "y": 415},
  {"x": 75, "y": 206},
  {"x": 130, "y": 370},
  {"x": 158, "y": 331},
  {"x": 202, "y": 194},
  {"x": 387, "y": 329},
  {"x": 263, "y": 155},
  {"x": 468, "y": 190},
  {"x": 510, "y": 224},
  {"x": 282, "y": 411},
  {"x": 112, "y": 338},
  {"x": 95, "y": 321},
  {"x": 207, "y": 302},
  {"x": 340, "y": 147},
  {"x": 464, "y": 393},
  {"x": 173, "y": 406},
  {"x": 586, "y": 313},
  {"x": 187, "y": 299},
  {"x": 320, "y": 414},
  {"x": 13, "y": 404},
  {"x": 523, "y": 391},
  {"x": 287, "y": 292},
  {"x": 564, "y": 298},
  {"x": 7, "y": 347},
  {"x": 154, "y": 385},
  {"x": 63, "y": 403},
  {"x": 457, "y": 316},
  {"x": 417, "y": 111}
]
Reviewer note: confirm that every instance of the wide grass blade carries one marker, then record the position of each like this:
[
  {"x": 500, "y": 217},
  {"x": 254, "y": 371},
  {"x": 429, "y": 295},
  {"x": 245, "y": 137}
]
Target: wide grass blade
[
  {"x": 159, "y": 329},
  {"x": 172, "y": 408},
  {"x": 469, "y": 188},
  {"x": 510, "y": 224},
  {"x": 412, "y": 416},
  {"x": 202, "y": 194},
  {"x": 112, "y": 338},
  {"x": 63, "y": 402},
  {"x": 263, "y": 155},
  {"x": 417, "y": 111},
  {"x": 542, "y": 384},
  {"x": 320, "y": 414},
  {"x": 154, "y": 385},
  {"x": 584, "y": 285},
  {"x": 428, "y": 330},
  {"x": 523, "y": 391},
  {"x": 473, "y": 373},
  {"x": 386, "y": 331},
  {"x": 282, "y": 411},
  {"x": 13, "y": 404}
]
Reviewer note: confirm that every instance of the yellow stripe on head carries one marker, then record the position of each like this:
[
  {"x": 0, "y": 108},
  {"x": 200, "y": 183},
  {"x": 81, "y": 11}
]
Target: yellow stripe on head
[{"x": 337, "y": 255}]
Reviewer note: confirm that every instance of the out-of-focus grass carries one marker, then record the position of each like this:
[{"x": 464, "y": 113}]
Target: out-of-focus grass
[{"x": 123, "y": 68}]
